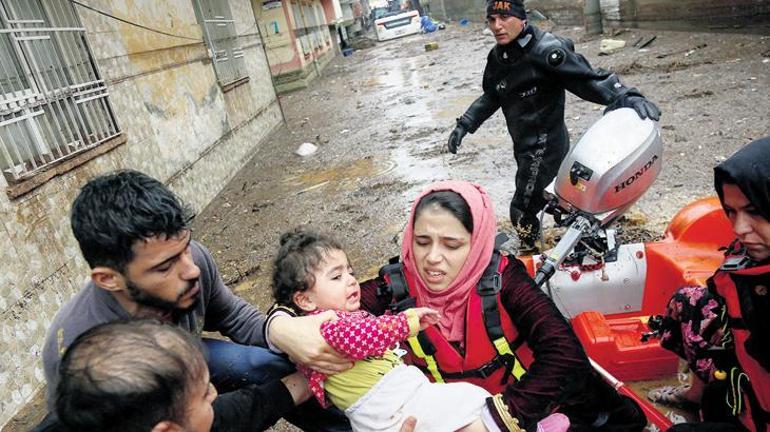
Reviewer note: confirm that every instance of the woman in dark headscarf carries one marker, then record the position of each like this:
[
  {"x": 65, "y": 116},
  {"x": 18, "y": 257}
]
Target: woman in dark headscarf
[{"x": 723, "y": 330}]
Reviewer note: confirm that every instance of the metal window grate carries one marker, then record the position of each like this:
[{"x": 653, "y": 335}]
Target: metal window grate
[
  {"x": 222, "y": 40},
  {"x": 53, "y": 102}
]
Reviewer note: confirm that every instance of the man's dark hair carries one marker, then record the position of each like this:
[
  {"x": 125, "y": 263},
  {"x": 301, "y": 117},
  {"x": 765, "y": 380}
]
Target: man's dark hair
[
  {"x": 301, "y": 252},
  {"x": 114, "y": 211},
  {"x": 450, "y": 201},
  {"x": 128, "y": 376}
]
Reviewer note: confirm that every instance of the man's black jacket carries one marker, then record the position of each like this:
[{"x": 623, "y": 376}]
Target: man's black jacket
[{"x": 527, "y": 79}]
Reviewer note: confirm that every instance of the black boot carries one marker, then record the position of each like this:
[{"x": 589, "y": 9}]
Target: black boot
[{"x": 527, "y": 228}]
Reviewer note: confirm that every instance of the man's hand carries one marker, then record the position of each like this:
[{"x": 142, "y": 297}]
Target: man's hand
[
  {"x": 427, "y": 317},
  {"x": 408, "y": 425},
  {"x": 640, "y": 104},
  {"x": 455, "y": 138},
  {"x": 296, "y": 383},
  {"x": 301, "y": 339}
]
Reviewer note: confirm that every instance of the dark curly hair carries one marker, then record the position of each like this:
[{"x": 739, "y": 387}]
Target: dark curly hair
[
  {"x": 114, "y": 211},
  {"x": 300, "y": 253}
]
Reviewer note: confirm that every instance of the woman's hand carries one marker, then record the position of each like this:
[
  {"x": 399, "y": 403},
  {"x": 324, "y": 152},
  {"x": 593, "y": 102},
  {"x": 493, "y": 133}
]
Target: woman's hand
[
  {"x": 301, "y": 339},
  {"x": 427, "y": 317}
]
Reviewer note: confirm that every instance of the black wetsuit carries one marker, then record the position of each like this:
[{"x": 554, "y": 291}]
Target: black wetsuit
[{"x": 527, "y": 79}]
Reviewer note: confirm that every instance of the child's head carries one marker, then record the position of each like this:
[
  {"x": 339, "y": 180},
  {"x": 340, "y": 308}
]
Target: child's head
[
  {"x": 312, "y": 272},
  {"x": 135, "y": 376}
]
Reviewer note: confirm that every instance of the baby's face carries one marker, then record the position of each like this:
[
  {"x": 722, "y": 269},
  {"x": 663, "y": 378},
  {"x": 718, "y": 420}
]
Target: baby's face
[
  {"x": 336, "y": 287},
  {"x": 199, "y": 411}
]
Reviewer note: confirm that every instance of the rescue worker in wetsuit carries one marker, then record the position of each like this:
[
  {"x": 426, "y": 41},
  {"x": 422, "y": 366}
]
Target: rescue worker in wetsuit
[
  {"x": 526, "y": 75},
  {"x": 723, "y": 330}
]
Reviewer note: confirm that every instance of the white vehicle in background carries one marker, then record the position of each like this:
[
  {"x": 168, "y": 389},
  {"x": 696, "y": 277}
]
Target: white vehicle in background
[{"x": 397, "y": 24}]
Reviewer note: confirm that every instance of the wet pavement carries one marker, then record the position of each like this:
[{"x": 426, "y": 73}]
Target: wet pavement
[{"x": 382, "y": 116}]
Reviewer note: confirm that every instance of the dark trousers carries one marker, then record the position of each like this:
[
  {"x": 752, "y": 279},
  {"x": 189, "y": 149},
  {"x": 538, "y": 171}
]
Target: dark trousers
[
  {"x": 232, "y": 366},
  {"x": 537, "y": 165}
]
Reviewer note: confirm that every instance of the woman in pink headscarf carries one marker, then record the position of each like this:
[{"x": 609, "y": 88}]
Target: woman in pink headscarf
[{"x": 497, "y": 330}]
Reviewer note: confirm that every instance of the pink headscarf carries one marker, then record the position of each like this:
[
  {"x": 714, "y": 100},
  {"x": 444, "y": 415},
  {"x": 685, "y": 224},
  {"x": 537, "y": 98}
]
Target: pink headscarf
[{"x": 451, "y": 302}]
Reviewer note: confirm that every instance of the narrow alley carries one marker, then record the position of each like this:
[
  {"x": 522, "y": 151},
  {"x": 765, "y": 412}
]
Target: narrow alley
[{"x": 381, "y": 119}]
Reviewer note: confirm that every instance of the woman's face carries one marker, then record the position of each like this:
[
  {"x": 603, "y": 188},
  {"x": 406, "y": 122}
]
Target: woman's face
[
  {"x": 751, "y": 228},
  {"x": 441, "y": 244}
]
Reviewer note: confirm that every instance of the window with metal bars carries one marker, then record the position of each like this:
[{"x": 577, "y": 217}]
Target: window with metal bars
[
  {"x": 53, "y": 102},
  {"x": 222, "y": 40}
]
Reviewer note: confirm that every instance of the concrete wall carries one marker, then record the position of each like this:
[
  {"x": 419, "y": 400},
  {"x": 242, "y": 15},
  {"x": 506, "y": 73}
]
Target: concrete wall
[
  {"x": 180, "y": 127},
  {"x": 742, "y": 15},
  {"x": 562, "y": 12},
  {"x": 699, "y": 15},
  {"x": 457, "y": 9}
]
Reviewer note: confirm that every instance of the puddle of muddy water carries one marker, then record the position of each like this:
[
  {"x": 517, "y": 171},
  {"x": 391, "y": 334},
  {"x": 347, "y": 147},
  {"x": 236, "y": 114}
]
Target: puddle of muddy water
[
  {"x": 423, "y": 165},
  {"x": 453, "y": 108},
  {"x": 340, "y": 177}
]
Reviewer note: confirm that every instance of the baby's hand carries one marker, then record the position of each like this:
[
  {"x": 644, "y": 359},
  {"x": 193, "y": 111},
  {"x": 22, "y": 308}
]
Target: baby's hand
[{"x": 427, "y": 316}]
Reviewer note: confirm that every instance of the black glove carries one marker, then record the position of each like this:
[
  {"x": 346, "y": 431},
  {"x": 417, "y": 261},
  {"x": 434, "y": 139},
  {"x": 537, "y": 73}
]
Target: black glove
[
  {"x": 455, "y": 138},
  {"x": 640, "y": 104}
]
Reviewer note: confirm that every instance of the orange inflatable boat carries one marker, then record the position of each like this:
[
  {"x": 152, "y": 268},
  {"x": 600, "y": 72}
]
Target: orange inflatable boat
[{"x": 643, "y": 280}]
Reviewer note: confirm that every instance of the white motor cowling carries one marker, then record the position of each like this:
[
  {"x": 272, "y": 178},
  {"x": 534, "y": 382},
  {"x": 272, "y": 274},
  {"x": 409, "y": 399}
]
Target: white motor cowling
[{"x": 611, "y": 166}]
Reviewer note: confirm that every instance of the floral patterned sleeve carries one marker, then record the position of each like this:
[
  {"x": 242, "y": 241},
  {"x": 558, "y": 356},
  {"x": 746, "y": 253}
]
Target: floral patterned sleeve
[
  {"x": 359, "y": 335},
  {"x": 694, "y": 324}
]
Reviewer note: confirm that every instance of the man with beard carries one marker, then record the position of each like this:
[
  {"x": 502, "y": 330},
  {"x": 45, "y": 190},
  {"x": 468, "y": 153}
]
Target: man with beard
[
  {"x": 135, "y": 235},
  {"x": 526, "y": 76}
]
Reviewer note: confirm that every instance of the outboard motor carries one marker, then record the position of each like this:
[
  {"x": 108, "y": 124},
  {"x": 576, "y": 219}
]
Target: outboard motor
[{"x": 611, "y": 166}]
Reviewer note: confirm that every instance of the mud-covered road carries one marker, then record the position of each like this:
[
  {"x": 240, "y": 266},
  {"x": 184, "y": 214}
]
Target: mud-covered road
[{"x": 381, "y": 118}]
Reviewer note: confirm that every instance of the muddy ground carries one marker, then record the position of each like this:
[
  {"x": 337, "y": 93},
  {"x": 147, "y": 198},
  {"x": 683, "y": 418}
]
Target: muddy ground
[{"x": 381, "y": 118}]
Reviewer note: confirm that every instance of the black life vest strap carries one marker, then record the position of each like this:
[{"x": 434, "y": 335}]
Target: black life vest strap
[
  {"x": 399, "y": 290},
  {"x": 489, "y": 288},
  {"x": 482, "y": 372},
  {"x": 401, "y": 301},
  {"x": 736, "y": 323}
]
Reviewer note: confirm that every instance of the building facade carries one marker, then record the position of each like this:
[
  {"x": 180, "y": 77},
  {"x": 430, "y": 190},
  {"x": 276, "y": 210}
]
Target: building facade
[
  {"x": 179, "y": 89},
  {"x": 299, "y": 37}
]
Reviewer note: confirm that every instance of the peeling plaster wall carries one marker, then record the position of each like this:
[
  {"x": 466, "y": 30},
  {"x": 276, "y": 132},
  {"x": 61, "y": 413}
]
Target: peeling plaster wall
[
  {"x": 720, "y": 15},
  {"x": 180, "y": 128}
]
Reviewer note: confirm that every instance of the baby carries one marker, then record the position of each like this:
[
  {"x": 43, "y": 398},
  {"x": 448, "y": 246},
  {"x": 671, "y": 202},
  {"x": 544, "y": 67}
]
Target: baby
[
  {"x": 139, "y": 376},
  {"x": 312, "y": 274}
]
